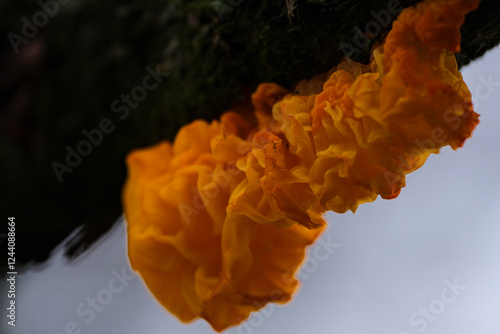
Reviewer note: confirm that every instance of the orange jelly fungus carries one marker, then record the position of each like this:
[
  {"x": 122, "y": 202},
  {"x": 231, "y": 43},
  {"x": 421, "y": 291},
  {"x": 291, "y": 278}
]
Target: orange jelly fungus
[{"x": 219, "y": 221}]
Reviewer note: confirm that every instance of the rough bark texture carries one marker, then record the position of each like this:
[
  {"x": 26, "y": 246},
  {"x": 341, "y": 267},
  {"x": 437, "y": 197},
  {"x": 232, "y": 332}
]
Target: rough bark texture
[{"x": 65, "y": 78}]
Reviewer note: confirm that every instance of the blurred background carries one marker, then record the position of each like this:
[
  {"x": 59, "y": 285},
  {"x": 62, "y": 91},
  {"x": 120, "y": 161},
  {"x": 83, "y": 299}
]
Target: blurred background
[{"x": 65, "y": 66}]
